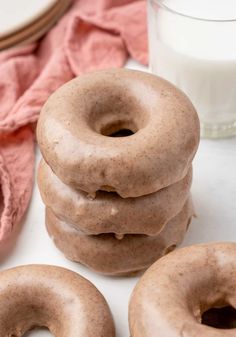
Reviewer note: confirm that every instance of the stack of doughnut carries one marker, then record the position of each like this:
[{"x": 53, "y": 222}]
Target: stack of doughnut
[{"x": 116, "y": 172}]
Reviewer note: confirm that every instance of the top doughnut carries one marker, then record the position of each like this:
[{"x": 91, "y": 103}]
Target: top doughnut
[{"x": 118, "y": 130}]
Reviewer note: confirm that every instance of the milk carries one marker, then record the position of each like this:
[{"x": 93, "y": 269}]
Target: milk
[{"x": 199, "y": 56}]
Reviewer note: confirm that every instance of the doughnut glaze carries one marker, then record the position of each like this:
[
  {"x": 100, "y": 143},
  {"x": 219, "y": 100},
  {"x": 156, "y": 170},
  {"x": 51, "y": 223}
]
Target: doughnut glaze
[
  {"x": 108, "y": 212},
  {"x": 52, "y": 297},
  {"x": 171, "y": 297},
  {"x": 76, "y": 127},
  {"x": 108, "y": 255}
]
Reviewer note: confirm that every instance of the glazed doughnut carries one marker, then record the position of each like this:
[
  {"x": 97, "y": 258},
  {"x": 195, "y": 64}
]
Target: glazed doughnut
[
  {"x": 52, "y": 297},
  {"x": 109, "y": 213},
  {"x": 172, "y": 296},
  {"x": 105, "y": 254},
  {"x": 77, "y": 123}
]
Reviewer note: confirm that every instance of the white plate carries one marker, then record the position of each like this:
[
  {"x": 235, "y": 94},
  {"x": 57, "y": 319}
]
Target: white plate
[
  {"x": 214, "y": 194},
  {"x": 16, "y": 14}
]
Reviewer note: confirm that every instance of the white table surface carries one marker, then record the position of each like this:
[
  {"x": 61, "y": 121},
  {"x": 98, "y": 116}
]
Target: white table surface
[{"x": 214, "y": 194}]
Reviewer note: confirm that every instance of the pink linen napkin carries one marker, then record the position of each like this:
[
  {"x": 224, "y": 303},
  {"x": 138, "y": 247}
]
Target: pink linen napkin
[{"x": 91, "y": 35}]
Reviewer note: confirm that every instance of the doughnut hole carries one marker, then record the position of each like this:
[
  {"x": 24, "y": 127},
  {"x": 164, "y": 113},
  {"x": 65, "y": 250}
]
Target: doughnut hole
[
  {"x": 119, "y": 129},
  {"x": 220, "y": 318},
  {"x": 117, "y": 113},
  {"x": 122, "y": 133},
  {"x": 44, "y": 332}
]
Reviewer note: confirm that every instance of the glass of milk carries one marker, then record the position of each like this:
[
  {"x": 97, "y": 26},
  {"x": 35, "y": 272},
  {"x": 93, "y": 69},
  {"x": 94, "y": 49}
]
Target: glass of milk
[{"x": 192, "y": 43}]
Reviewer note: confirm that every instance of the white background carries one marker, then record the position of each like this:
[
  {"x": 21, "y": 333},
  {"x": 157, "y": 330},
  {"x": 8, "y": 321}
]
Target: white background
[{"x": 214, "y": 194}]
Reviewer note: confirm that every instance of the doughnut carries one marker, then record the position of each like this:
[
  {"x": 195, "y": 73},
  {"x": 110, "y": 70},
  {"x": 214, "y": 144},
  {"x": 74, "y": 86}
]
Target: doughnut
[
  {"x": 51, "y": 297},
  {"x": 81, "y": 125},
  {"x": 109, "y": 213},
  {"x": 108, "y": 255},
  {"x": 176, "y": 294}
]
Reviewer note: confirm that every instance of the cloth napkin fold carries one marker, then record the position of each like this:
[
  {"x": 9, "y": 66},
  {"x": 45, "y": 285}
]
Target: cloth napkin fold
[{"x": 91, "y": 35}]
